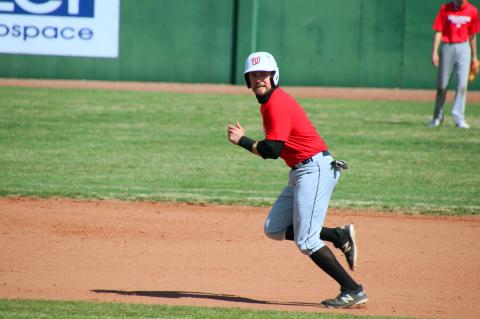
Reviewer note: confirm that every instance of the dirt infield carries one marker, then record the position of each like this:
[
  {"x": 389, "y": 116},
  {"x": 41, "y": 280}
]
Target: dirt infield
[
  {"x": 307, "y": 92},
  {"x": 218, "y": 256}
]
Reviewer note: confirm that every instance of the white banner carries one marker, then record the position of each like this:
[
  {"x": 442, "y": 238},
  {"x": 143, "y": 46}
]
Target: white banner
[{"x": 88, "y": 28}]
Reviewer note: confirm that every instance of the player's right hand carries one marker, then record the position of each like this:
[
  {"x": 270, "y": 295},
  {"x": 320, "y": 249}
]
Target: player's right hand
[
  {"x": 435, "y": 59},
  {"x": 235, "y": 132}
]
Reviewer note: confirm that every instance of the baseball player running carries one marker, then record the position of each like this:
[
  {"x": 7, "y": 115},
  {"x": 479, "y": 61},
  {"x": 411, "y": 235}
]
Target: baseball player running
[{"x": 299, "y": 212}]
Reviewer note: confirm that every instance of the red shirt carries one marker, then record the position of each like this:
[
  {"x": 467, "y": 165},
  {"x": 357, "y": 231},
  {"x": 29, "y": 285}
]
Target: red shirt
[
  {"x": 456, "y": 23},
  {"x": 285, "y": 120}
]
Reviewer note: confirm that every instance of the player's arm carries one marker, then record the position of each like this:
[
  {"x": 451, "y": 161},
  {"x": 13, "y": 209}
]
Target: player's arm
[
  {"x": 265, "y": 148},
  {"x": 437, "y": 38},
  {"x": 473, "y": 49}
]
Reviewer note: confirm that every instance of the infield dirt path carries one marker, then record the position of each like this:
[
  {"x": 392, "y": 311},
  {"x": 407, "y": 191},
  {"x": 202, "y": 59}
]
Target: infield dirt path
[
  {"x": 218, "y": 256},
  {"x": 296, "y": 91}
]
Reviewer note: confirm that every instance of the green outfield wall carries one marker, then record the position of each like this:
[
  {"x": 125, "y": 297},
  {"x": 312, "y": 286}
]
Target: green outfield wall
[{"x": 353, "y": 43}]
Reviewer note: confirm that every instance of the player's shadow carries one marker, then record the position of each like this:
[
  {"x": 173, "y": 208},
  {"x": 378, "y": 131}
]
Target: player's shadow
[{"x": 201, "y": 295}]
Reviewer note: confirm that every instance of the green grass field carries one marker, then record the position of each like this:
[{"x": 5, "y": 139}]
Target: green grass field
[
  {"x": 15, "y": 309},
  {"x": 173, "y": 147},
  {"x": 158, "y": 146}
]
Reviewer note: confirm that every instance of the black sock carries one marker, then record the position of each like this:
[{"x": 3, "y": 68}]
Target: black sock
[
  {"x": 289, "y": 235},
  {"x": 325, "y": 259},
  {"x": 333, "y": 235}
]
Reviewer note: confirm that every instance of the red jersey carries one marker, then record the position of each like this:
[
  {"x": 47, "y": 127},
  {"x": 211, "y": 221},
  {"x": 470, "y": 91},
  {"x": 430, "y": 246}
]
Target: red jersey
[
  {"x": 456, "y": 23},
  {"x": 285, "y": 120}
]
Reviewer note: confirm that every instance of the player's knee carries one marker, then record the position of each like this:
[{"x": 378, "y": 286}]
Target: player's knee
[
  {"x": 274, "y": 236},
  {"x": 303, "y": 250},
  {"x": 308, "y": 248},
  {"x": 273, "y": 232}
]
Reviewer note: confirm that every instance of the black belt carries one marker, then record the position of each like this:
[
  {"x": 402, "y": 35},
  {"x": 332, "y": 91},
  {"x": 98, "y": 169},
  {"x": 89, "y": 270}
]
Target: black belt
[{"x": 308, "y": 160}]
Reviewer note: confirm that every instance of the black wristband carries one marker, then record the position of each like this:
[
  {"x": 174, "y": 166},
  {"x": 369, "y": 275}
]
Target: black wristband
[{"x": 246, "y": 143}]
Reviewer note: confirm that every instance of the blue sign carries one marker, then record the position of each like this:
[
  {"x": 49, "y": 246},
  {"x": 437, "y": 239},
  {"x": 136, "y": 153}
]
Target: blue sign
[{"x": 61, "y": 8}]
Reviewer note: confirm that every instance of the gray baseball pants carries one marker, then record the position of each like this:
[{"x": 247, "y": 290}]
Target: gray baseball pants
[
  {"x": 304, "y": 203},
  {"x": 453, "y": 57}
]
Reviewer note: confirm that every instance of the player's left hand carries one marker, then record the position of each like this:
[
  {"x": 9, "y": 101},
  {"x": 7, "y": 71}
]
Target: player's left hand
[
  {"x": 474, "y": 69},
  {"x": 235, "y": 132},
  {"x": 475, "y": 64}
]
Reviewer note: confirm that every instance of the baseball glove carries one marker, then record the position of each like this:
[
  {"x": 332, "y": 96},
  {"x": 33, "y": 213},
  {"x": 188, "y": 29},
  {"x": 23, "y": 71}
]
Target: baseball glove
[
  {"x": 473, "y": 73},
  {"x": 339, "y": 164}
]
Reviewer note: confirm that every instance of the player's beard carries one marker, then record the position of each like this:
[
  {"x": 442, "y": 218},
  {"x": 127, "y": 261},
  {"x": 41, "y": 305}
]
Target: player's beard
[
  {"x": 263, "y": 98},
  {"x": 261, "y": 89}
]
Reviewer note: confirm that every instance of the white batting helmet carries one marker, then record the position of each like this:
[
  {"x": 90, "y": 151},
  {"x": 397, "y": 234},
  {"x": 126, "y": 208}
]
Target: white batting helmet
[{"x": 261, "y": 61}]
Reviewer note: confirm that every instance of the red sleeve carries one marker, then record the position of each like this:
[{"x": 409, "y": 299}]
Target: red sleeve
[
  {"x": 277, "y": 122},
  {"x": 439, "y": 22}
]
